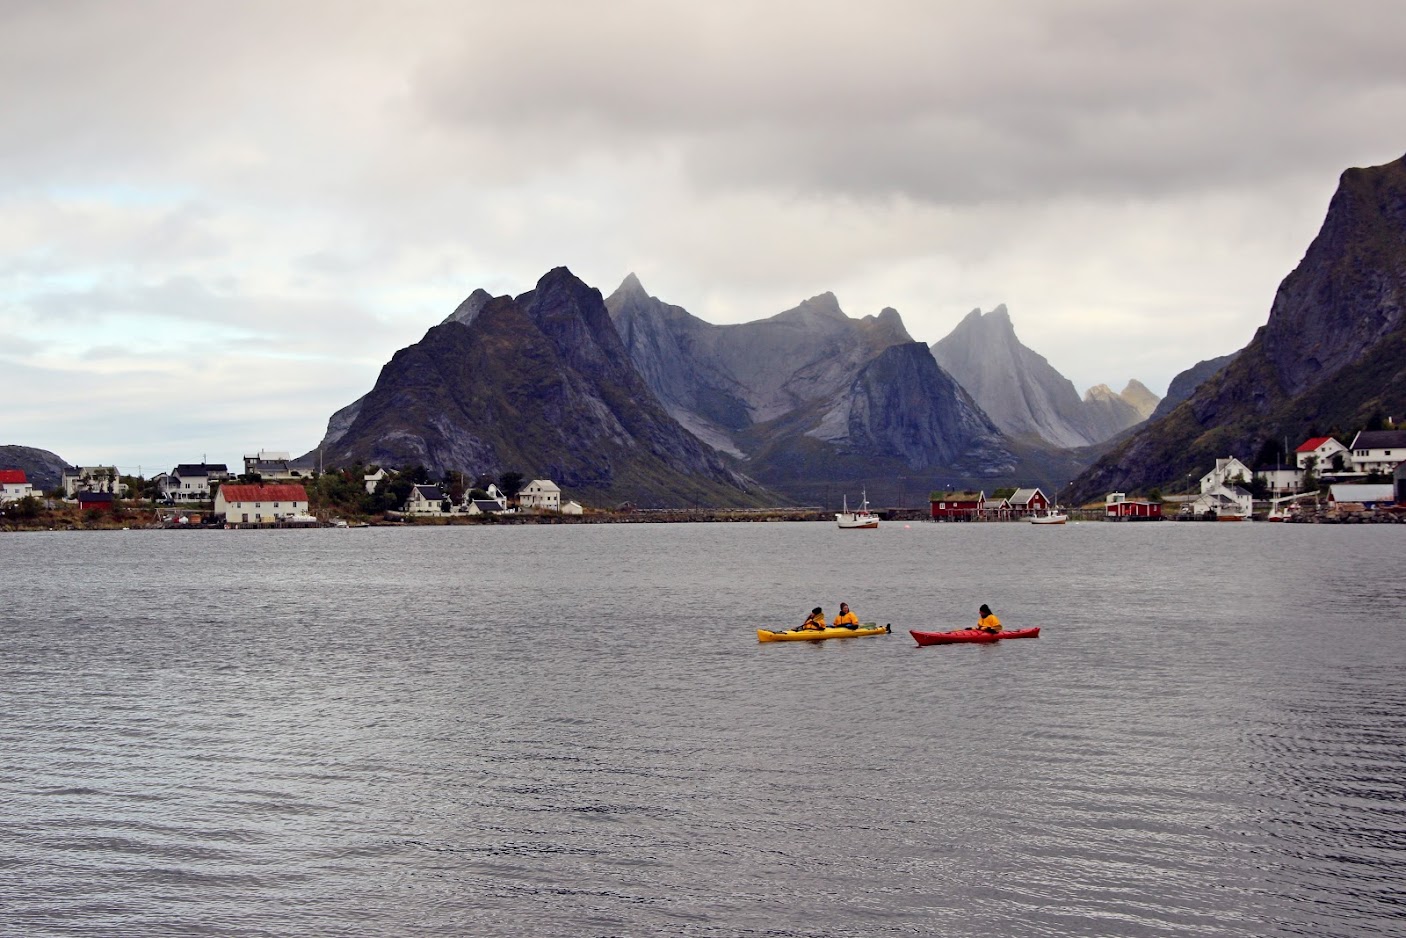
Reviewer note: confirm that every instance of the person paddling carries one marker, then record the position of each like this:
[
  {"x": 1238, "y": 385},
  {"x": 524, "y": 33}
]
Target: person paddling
[
  {"x": 988, "y": 621},
  {"x": 815, "y": 622},
  {"x": 845, "y": 619}
]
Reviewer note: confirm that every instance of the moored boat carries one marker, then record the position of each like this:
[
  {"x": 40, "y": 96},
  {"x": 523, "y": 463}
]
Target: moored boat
[
  {"x": 1049, "y": 517},
  {"x": 971, "y": 635},
  {"x": 819, "y": 635},
  {"x": 859, "y": 519}
]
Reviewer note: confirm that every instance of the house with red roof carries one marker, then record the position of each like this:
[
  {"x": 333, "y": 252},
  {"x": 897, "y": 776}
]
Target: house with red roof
[
  {"x": 1322, "y": 454},
  {"x": 14, "y": 485},
  {"x": 260, "y": 504}
]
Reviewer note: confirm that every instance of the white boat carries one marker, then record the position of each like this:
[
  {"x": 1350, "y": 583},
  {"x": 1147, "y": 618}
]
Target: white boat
[
  {"x": 1049, "y": 517},
  {"x": 861, "y": 517}
]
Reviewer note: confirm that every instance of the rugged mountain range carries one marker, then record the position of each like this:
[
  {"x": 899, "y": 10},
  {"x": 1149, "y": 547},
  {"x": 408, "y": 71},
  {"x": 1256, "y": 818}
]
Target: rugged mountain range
[
  {"x": 43, "y": 469},
  {"x": 812, "y": 399},
  {"x": 1331, "y": 356},
  {"x": 540, "y": 383},
  {"x": 1024, "y": 395}
]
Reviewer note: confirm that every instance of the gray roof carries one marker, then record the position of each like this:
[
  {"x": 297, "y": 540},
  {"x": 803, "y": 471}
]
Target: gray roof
[
  {"x": 430, "y": 492},
  {"x": 1380, "y": 439},
  {"x": 487, "y": 505}
]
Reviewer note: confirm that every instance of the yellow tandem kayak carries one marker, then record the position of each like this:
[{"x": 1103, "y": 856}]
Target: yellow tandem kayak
[{"x": 819, "y": 635}]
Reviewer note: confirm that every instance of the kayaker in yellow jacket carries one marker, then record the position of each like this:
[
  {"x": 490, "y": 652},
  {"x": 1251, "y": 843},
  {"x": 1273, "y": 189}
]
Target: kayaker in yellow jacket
[
  {"x": 988, "y": 621},
  {"x": 815, "y": 622},
  {"x": 845, "y": 619}
]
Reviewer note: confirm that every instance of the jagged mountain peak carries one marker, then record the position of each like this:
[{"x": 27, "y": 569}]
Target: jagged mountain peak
[
  {"x": 1100, "y": 392},
  {"x": 1140, "y": 397},
  {"x": 823, "y": 307},
  {"x": 467, "y": 311}
]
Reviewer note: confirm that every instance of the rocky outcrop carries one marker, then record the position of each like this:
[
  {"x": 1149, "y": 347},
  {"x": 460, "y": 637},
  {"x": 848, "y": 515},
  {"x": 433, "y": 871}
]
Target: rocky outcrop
[
  {"x": 1140, "y": 398},
  {"x": 540, "y": 384},
  {"x": 1330, "y": 355},
  {"x": 43, "y": 469},
  {"x": 1186, "y": 383},
  {"x": 1024, "y": 394}
]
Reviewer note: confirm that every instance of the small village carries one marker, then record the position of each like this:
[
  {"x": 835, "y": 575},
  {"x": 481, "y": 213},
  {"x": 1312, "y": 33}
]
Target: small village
[{"x": 1327, "y": 481}]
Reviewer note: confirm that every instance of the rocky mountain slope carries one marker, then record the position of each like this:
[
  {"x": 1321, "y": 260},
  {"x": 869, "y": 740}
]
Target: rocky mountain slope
[
  {"x": 1332, "y": 354},
  {"x": 43, "y": 469},
  {"x": 1186, "y": 383},
  {"x": 1025, "y": 395},
  {"x": 811, "y": 399},
  {"x": 542, "y": 384}
]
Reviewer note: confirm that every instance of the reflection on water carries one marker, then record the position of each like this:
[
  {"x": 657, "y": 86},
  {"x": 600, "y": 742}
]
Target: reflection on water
[{"x": 572, "y": 730}]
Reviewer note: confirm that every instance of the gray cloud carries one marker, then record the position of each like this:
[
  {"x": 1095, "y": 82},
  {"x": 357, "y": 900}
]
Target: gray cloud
[{"x": 295, "y": 191}]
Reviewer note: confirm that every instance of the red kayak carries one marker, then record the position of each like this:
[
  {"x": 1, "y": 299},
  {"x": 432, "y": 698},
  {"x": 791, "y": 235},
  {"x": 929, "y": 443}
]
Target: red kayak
[{"x": 970, "y": 635}]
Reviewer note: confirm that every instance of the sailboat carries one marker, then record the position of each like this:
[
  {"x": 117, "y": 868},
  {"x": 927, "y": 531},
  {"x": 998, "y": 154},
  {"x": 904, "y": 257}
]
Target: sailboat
[{"x": 860, "y": 518}]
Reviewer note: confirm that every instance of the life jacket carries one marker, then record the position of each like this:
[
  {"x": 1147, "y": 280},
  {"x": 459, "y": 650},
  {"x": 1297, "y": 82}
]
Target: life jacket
[
  {"x": 848, "y": 619},
  {"x": 990, "y": 624},
  {"x": 813, "y": 624}
]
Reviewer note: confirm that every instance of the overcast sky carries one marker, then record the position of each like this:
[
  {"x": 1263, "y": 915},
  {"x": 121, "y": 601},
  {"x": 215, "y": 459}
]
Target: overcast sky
[{"x": 217, "y": 221}]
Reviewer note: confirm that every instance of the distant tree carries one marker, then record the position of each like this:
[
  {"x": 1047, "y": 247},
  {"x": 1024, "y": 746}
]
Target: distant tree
[
  {"x": 1258, "y": 487},
  {"x": 1154, "y": 495},
  {"x": 27, "y": 508},
  {"x": 1005, "y": 492},
  {"x": 417, "y": 474},
  {"x": 1337, "y": 462},
  {"x": 510, "y": 483},
  {"x": 456, "y": 486},
  {"x": 1376, "y": 422},
  {"x": 1268, "y": 455}
]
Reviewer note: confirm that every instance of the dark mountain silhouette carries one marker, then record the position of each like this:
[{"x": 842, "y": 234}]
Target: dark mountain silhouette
[{"x": 539, "y": 384}]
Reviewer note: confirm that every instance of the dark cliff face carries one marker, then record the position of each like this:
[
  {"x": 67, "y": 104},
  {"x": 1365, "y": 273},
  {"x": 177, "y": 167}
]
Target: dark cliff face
[
  {"x": 539, "y": 384},
  {"x": 904, "y": 406},
  {"x": 1328, "y": 358},
  {"x": 1186, "y": 383}
]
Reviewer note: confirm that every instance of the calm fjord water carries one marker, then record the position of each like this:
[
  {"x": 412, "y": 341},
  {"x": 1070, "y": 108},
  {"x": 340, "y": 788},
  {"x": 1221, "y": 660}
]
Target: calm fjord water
[{"x": 573, "y": 731}]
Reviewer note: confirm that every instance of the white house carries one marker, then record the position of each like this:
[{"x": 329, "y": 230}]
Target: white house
[
  {"x": 1227, "y": 472},
  {"x": 372, "y": 478},
  {"x": 1224, "y": 500},
  {"x": 1322, "y": 454},
  {"x": 1280, "y": 479},
  {"x": 190, "y": 482},
  {"x": 572, "y": 507},
  {"x": 425, "y": 500},
  {"x": 92, "y": 479},
  {"x": 540, "y": 495},
  {"x": 260, "y": 504},
  {"x": 14, "y": 485},
  {"x": 274, "y": 464},
  {"x": 1378, "y": 450}
]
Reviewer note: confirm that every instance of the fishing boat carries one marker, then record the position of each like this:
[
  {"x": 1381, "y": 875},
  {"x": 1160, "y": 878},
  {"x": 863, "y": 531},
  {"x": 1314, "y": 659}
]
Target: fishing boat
[
  {"x": 860, "y": 518},
  {"x": 1049, "y": 517}
]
